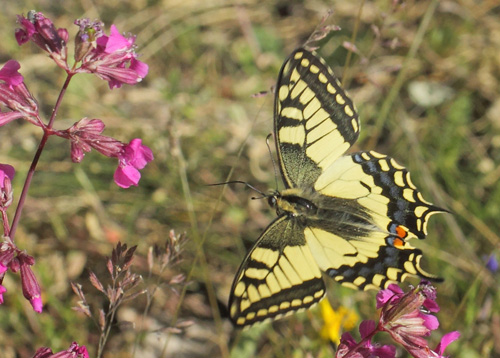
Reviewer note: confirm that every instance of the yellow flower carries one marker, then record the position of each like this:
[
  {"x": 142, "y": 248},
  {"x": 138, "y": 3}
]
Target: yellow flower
[{"x": 336, "y": 321}]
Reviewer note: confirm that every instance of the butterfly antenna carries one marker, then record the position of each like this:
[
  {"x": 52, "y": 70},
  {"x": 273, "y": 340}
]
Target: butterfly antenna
[
  {"x": 263, "y": 195},
  {"x": 272, "y": 160}
]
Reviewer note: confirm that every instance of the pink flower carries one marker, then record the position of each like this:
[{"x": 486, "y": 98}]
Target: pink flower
[
  {"x": 133, "y": 157},
  {"x": 406, "y": 316},
  {"x": 86, "y": 134},
  {"x": 112, "y": 58},
  {"x": 74, "y": 351},
  {"x": 18, "y": 261},
  {"x": 30, "y": 285},
  {"x": 364, "y": 349},
  {"x": 43, "y": 33},
  {"x": 15, "y": 96}
]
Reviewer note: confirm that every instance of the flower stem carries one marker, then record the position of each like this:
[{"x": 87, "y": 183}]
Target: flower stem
[
  {"x": 47, "y": 132},
  {"x": 362, "y": 342}
]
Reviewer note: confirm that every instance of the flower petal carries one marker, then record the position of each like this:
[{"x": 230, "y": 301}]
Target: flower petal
[
  {"x": 116, "y": 41},
  {"x": 366, "y": 328},
  {"x": 126, "y": 176},
  {"x": 431, "y": 322},
  {"x": 446, "y": 340},
  {"x": 393, "y": 292},
  {"x": 8, "y": 170}
]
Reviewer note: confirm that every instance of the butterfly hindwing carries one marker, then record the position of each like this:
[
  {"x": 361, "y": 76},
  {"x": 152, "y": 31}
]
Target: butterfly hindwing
[
  {"x": 278, "y": 276},
  {"x": 368, "y": 246},
  {"x": 315, "y": 122},
  {"x": 383, "y": 188}
]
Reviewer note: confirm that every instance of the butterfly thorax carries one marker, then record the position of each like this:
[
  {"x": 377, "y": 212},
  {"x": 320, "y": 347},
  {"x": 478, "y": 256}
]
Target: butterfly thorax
[
  {"x": 293, "y": 203},
  {"x": 309, "y": 208}
]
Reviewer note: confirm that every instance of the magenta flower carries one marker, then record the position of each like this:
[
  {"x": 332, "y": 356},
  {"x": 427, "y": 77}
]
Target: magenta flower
[
  {"x": 18, "y": 261},
  {"x": 407, "y": 318},
  {"x": 43, "y": 33},
  {"x": 403, "y": 319},
  {"x": 133, "y": 157},
  {"x": 15, "y": 95},
  {"x": 74, "y": 351},
  {"x": 112, "y": 58},
  {"x": 86, "y": 134},
  {"x": 364, "y": 349},
  {"x": 29, "y": 283}
]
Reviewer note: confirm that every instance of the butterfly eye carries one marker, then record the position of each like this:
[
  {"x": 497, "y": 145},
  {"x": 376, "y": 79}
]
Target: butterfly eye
[{"x": 273, "y": 201}]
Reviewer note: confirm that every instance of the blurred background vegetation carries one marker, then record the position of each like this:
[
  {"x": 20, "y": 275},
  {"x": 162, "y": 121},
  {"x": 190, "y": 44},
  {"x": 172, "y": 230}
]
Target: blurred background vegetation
[{"x": 425, "y": 80}]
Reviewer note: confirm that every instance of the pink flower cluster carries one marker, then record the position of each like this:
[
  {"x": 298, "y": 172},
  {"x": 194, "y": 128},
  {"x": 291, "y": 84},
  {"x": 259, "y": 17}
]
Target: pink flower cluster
[
  {"x": 407, "y": 318},
  {"x": 86, "y": 134},
  {"x": 111, "y": 58}
]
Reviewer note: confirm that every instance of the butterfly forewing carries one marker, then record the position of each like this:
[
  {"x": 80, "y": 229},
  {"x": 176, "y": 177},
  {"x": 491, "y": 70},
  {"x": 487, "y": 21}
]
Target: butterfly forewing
[
  {"x": 278, "y": 276},
  {"x": 315, "y": 122}
]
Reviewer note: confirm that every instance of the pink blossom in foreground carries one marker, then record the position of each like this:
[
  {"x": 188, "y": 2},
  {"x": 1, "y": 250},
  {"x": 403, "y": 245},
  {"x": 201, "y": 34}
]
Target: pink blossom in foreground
[
  {"x": 407, "y": 318},
  {"x": 403, "y": 319},
  {"x": 112, "y": 58},
  {"x": 74, "y": 351},
  {"x": 365, "y": 348},
  {"x": 134, "y": 156}
]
